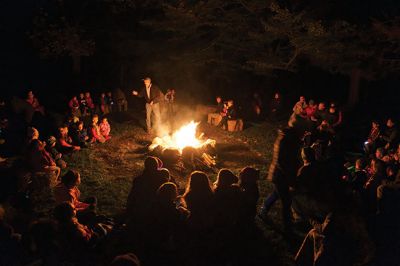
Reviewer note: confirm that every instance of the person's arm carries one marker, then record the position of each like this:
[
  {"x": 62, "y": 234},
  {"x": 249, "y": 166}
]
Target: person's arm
[
  {"x": 67, "y": 145},
  {"x": 232, "y": 113},
  {"x": 80, "y": 206},
  {"x": 64, "y": 143},
  {"x": 156, "y": 97}
]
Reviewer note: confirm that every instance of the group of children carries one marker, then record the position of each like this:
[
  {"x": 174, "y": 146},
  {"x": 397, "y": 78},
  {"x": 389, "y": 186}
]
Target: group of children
[
  {"x": 72, "y": 136},
  {"x": 84, "y": 104},
  {"x": 318, "y": 113}
]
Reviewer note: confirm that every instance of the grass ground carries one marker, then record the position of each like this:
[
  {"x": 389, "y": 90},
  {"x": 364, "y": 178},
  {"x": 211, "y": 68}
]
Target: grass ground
[{"x": 107, "y": 169}]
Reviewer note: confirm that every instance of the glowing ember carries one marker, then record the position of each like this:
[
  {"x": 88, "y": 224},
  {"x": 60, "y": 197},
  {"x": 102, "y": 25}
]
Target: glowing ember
[{"x": 184, "y": 137}]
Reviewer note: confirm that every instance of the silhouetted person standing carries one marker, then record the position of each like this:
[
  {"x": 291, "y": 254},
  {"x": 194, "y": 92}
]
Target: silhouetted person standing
[{"x": 283, "y": 169}]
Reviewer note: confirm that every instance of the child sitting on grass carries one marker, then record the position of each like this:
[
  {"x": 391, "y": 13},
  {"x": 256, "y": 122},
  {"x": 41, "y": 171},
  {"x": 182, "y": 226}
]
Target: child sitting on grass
[
  {"x": 95, "y": 131},
  {"x": 105, "y": 128}
]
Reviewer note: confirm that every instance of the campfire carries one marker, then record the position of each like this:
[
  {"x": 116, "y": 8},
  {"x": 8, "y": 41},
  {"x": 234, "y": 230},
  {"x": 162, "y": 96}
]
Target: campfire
[{"x": 185, "y": 143}]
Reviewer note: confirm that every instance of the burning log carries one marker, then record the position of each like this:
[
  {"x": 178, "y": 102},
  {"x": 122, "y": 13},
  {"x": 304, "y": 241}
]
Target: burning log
[
  {"x": 208, "y": 160},
  {"x": 183, "y": 144}
]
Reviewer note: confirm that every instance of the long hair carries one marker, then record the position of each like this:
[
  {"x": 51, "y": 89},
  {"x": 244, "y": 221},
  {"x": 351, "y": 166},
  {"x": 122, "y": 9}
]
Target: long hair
[
  {"x": 248, "y": 177},
  {"x": 225, "y": 178},
  {"x": 198, "y": 189},
  {"x": 198, "y": 183},
  {"x": 167, "y": 193}
]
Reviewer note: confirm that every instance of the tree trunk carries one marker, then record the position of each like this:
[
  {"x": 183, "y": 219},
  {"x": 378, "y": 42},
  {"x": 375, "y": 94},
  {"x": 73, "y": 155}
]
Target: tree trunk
[
  {"x": 76, "y": 64},
  {"x": 354, "y": 90}
]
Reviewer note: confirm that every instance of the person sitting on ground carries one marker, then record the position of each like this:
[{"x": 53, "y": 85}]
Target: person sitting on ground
[
  {"x": 34, "y": 102},
  {"x": 80, "y": 136},
  {"x": 320, "y": 114},
  {"x": 373, "y": 137},
  {"x": 120, "y": 99},
  {"x": 334, "y": 116},
  {"x": 168, "y": 218},
  {"x": 110, "y": 101},
  {"x": 74, "y": 106},
  {"x": 250, "y": 194},
  {"x": 75, "y": 237},
  {"x": 56, "y": 155},
  {"x": 388, "y": 193},
  {"x": 105, "y": 128},
  {"x": 199, "y": 200},
  {"x": 64, "y": 141},
  {"x": 322, "y": 139},
  {"x": 230, "y": 115},
  {"x": 143, "y": 191},
  {"x": 39, "y": 160},
  {"x": 391, "y": 173},
  {"x": 42, "y": 244},
  {"x": 67, "y": 191},
  {"x": 359, "y": 178},
  {"x": 71, "y": 121},
  {"x": 329, "y": 243},
  {"x": 104, "y": 108},
  {"x": 390, "y": 136},
  {"x": 83, "y": 104},
  {"x": 300, "y": 106},
  {"x": 310, "y": 109},
  {"x": 31, "y": 134},
  {"x": 380, "y": 153},
  {"x": 89, "y": 102},
  {"x": 373, "y": 182},
  {"x": 95, "y": 131},
  {"x": 307, "y": 174},
  {"x": 219, "y": 111},
  {"x": 227, "y": 200}
]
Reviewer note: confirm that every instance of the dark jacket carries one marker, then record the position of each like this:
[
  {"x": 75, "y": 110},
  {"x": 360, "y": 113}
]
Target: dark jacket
[
  {"x": 285, "y": 160},
  {"x": 391, "y": 136},
  {"x": 231, "y": 113},
  {"x": 155, "y": 94}
]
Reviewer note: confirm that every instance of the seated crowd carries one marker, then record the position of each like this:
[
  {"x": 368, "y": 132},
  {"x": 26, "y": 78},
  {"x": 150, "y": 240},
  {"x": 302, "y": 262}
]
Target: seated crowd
[
  {"x": 162, "y": 222},
  {"x": 353, "y": 205}
]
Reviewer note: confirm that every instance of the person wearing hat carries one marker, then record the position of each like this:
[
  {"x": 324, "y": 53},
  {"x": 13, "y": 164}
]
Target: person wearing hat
[{"x": 153, "y": 96}]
